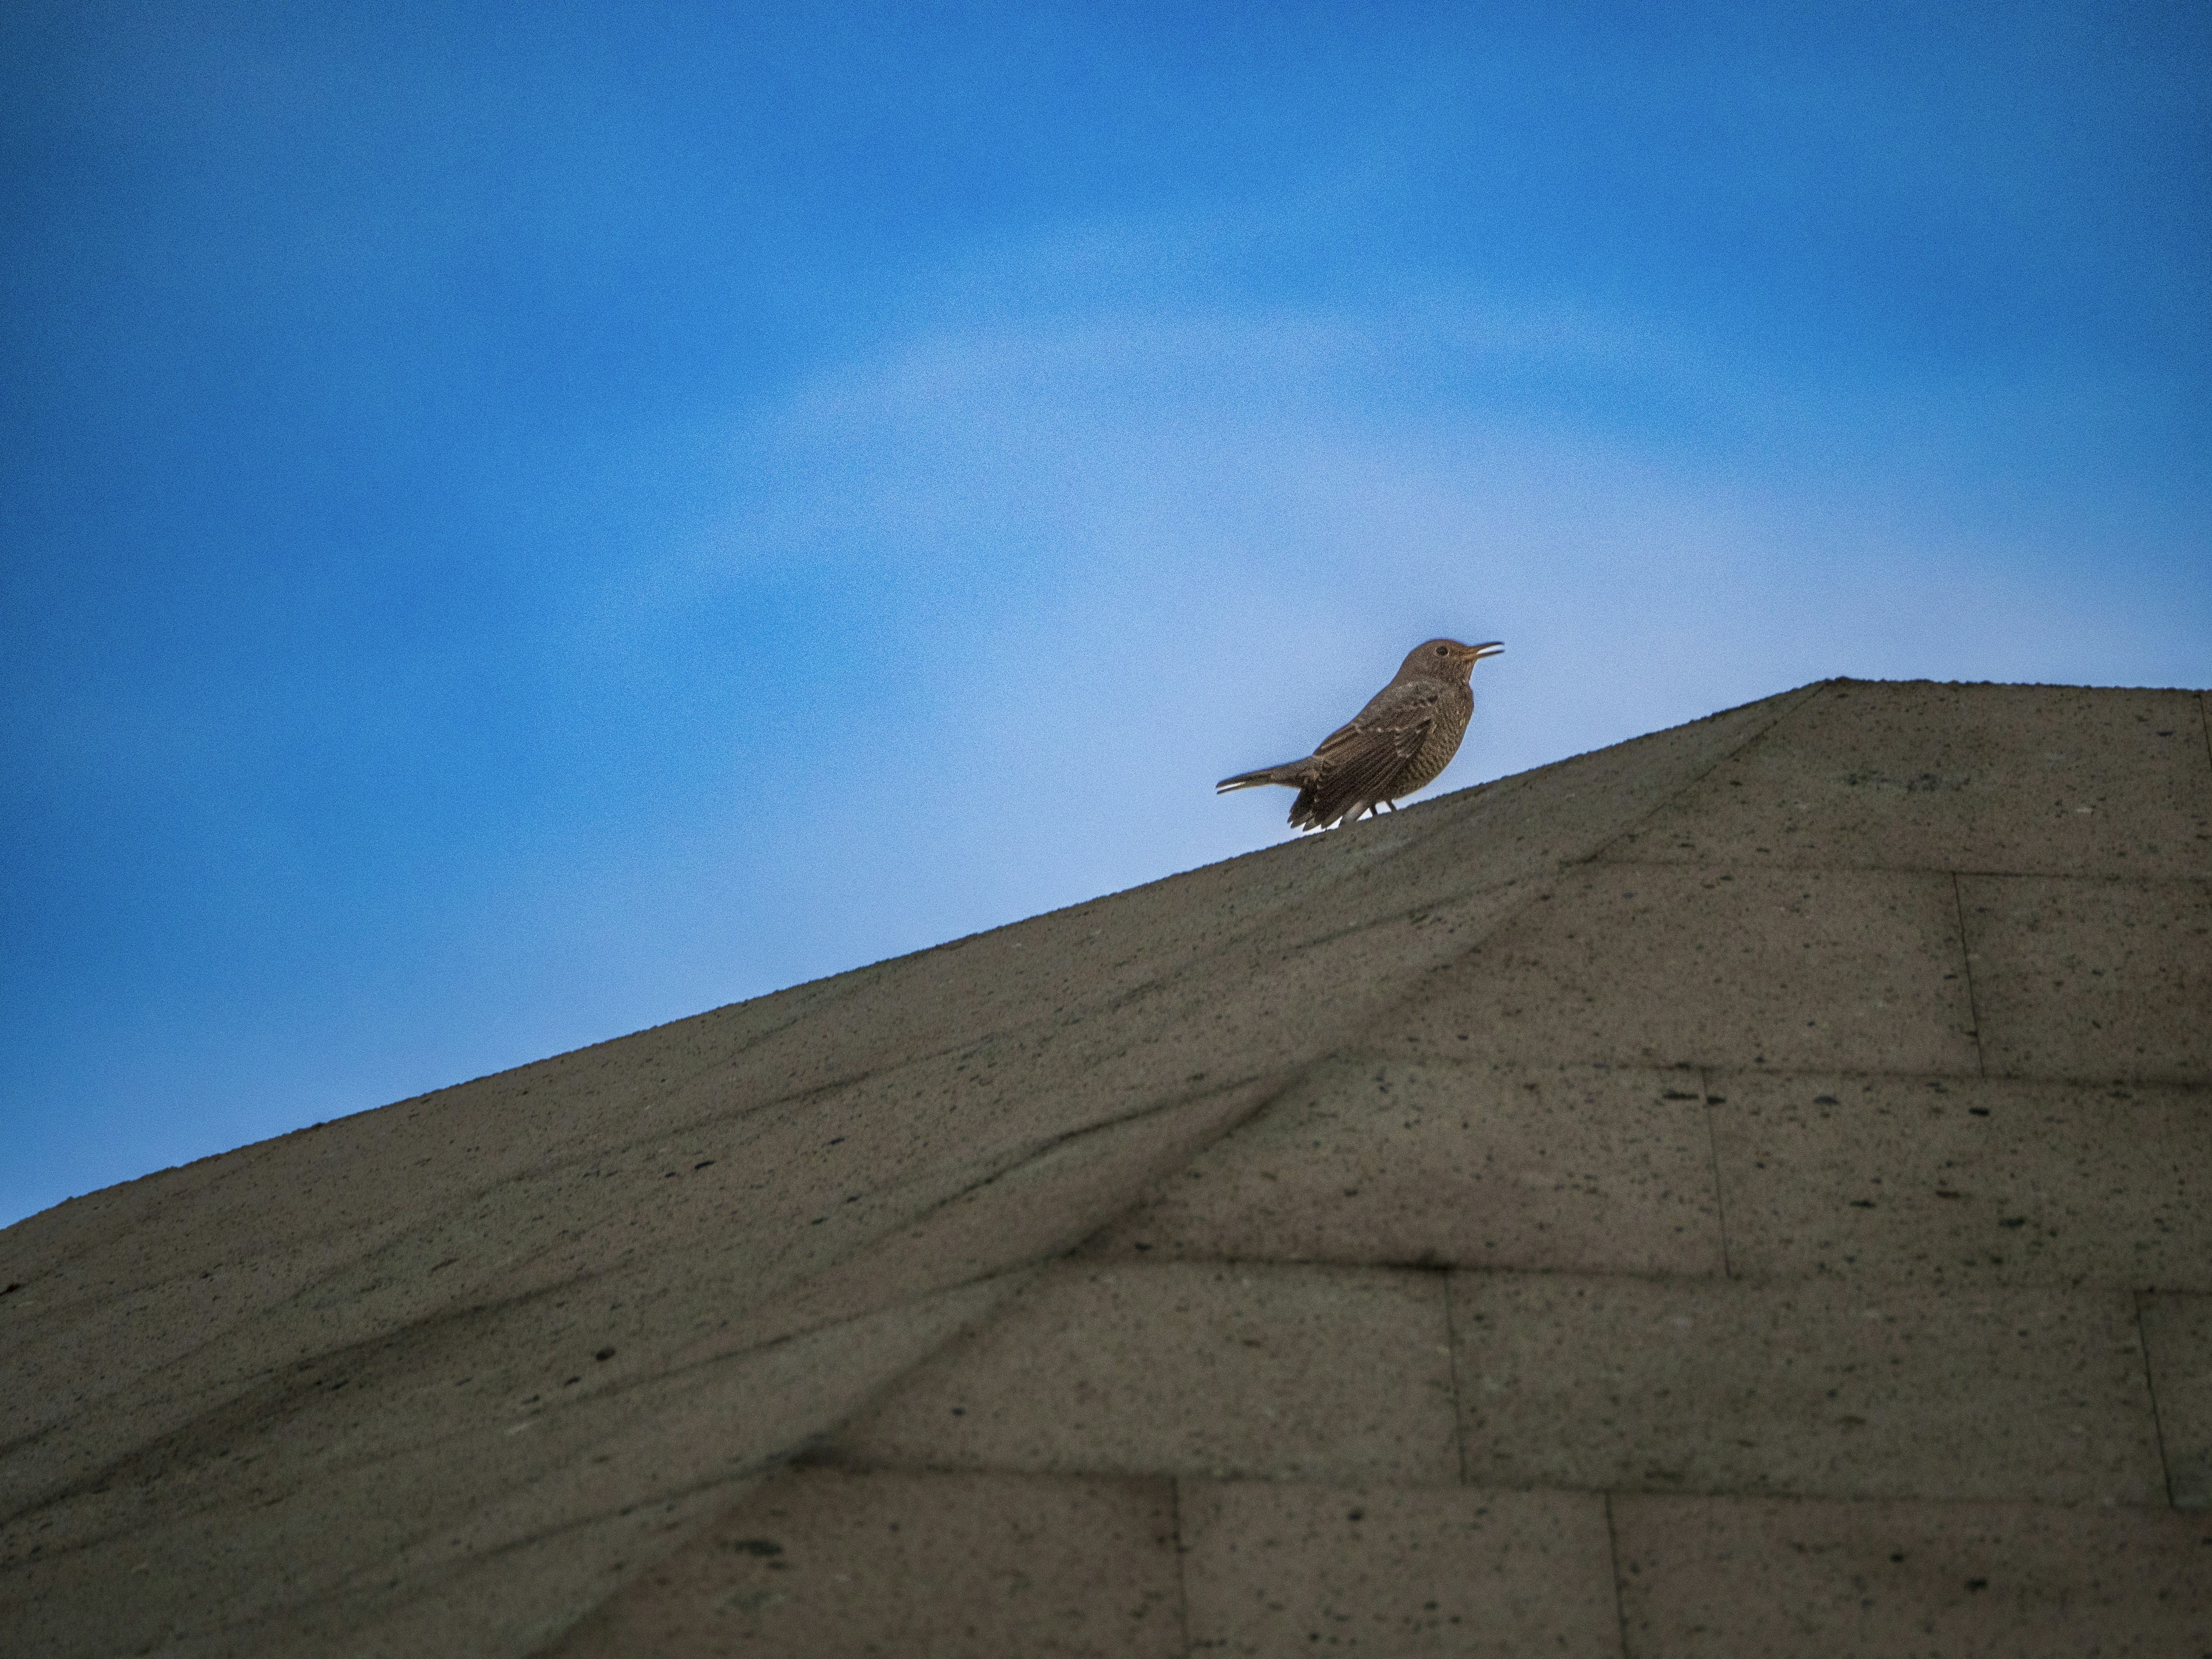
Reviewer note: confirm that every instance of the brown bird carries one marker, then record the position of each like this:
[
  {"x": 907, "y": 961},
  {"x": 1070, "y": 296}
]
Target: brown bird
[{"x": 1407, "y": 734}]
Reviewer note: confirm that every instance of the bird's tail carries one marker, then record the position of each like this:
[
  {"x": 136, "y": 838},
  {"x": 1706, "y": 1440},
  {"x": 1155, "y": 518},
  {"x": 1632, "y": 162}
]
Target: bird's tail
[{"x": 1287, "y": 774}]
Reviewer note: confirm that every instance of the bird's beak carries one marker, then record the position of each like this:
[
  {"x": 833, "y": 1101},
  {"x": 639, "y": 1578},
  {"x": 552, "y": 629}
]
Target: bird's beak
[{"x": 1491, "y": 649}]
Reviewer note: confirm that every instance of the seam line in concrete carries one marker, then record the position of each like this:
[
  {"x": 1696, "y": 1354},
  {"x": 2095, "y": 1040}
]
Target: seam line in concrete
[
  {"x": 2101, "y": 1080},
  {"x": 1721, "y": 1073},
  {"x": 2150, "y": 1386},
  {"x": 1182, "y": 1554},
  {"x": 2063, "y": 1285},
  {"x": 1713, "y": 1153},
  {"x": 1612, "y": 1554},
  {"x": 1045, "y": 1148},
  {"x": 1966, "y": 967},
  {"x": 2102, "y": 879},
  {"x": 1365, "y": 1055},
  {"x": 2174, "y": 1079},
  {"x": 1451, "y": 1351}
]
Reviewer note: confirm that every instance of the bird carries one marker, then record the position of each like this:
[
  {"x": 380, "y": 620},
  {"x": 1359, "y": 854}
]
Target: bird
[{"x": 1407, "y": 734}]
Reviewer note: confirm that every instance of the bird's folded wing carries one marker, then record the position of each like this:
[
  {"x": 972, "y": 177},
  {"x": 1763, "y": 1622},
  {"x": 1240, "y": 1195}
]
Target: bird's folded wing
[{"x": 1366, "y": 757}]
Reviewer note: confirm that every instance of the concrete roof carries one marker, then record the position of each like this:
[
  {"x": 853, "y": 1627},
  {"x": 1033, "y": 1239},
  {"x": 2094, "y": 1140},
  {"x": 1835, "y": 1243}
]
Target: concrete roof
[{"x": 1744, "y": 1191}]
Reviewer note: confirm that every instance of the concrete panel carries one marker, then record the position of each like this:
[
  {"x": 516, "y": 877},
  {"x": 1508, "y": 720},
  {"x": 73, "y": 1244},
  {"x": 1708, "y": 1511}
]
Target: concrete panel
[
  {"x": 2178, "y": 1337},
  {"x": 1962, "y": 1181},
  {"x": 1085, "y": 958},
  {"x": 473, "y": 1157},
  {"x": 717, "y": 1219},
  {"x": 1287, "y": 1373},
  {"x": 401, "y": 1472},
  {"x": 1274, "y": 1568},
  {"x": 513, "y": 1600},
  {"x": 705, "y": 1222},
  {"x": 804, "y": 1187},
  {"x": 63, "y": 1365},
  {"x": 1740, "y": 1578},
  {"x": 1266, "y": 1007},
  {"x": 820, "y": 1564},
  {"x": 1280, "y": 954},
  {"x": 1815, "y": 1389},
  {"x": 746, "y": 1208},
  {"x": 1037, "y": 1210},
  {"x": 304, "y": 1352},
  {"x": 2017, "y": 778},
  {"x": 2092, "y": 979},
  {"x": 1646, "y": 965},
  {"x": 1570, "y": 1168}
]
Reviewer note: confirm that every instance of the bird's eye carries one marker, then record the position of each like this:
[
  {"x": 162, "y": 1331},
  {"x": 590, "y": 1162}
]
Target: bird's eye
[{"x": 1443, "y": 651}]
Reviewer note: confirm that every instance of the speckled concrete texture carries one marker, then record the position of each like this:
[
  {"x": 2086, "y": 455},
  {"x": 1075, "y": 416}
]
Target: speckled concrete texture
[
  {"x": 1656, "y": 965},
  {"x": 1275, "y": 1568},
  {"x": 1579, "y": 1169},
  {"x": 2022, "y": 780},
  {"x": 1962, "y": 1181},
  {"x": 824, "y": 1564},
  {"x": 1736, "y": 1579},
  {"x": 421, "y": 1464},
  {"x": 1289, "y": 1373},
  {"x": 1815, "y": 1389},
  {"x": 1737, "y": 1189},
  {"x": 2092, "y": 979}
]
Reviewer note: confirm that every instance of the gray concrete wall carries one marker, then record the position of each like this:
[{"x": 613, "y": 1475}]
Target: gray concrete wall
[{"x": 1676, "y": 1180}]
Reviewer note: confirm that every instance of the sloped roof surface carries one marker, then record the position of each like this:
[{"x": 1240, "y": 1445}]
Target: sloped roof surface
[{"x": 1743, "y": 1191}]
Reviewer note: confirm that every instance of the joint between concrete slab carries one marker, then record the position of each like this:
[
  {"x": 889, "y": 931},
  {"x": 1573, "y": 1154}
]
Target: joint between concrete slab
[
  {"x": 1459, "y": 1416},
  {"x": 1963, "y": 871},
  {"x": 2150, "y": 1387},
  {"x": 1362, "y": 1055},
  {"x": 1720, "y": 1187},
  {"x": 1181, "y": 1557},
  {"x": 1966, "y": 968},
  {"x": 1613, "y": 1552}
]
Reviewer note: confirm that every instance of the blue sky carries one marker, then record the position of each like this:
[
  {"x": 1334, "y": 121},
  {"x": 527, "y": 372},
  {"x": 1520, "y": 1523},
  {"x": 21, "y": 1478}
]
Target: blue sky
[{"x": 518, "y": 524}]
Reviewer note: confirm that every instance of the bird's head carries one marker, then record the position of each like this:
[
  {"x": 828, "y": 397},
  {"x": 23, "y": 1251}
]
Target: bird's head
[{"x": 1446, "y": 658}]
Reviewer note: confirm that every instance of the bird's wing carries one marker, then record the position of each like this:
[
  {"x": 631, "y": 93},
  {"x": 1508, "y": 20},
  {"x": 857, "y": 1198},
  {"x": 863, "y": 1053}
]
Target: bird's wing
[{"x": 1365, "y": 757}]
